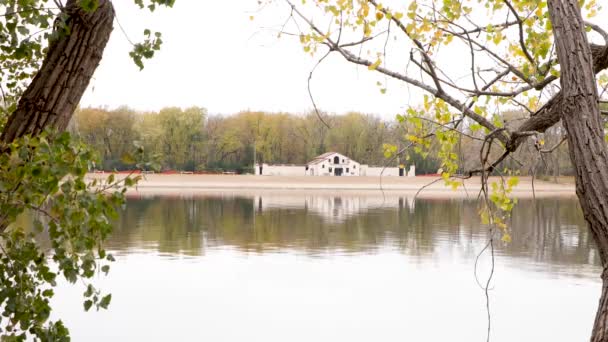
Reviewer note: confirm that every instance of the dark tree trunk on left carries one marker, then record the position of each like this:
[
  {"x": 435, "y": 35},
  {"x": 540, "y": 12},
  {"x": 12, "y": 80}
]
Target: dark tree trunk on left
[{"x": 51, "y": 99}]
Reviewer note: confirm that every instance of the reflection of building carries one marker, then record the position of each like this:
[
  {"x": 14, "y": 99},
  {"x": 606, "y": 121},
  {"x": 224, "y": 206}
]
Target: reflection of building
[
  {"x": 331, "y": 208},
  {"x": 332, "y": 164}
]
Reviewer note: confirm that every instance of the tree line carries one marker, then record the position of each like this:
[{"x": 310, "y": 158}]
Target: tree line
[{"x": 191, "y": 139}]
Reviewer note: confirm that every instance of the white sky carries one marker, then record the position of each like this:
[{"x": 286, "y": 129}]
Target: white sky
[{"x": 214, "y": 56}]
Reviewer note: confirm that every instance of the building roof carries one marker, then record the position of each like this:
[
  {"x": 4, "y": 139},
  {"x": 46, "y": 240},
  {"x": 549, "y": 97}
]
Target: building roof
[
  {"x": 323, "y": 157},
  {"x": 320, "y": 158}
]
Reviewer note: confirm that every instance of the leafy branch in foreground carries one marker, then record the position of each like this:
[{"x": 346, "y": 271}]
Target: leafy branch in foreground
[
  {"x": 46, "y": 179},
  {"x": 49, "y": 51}
]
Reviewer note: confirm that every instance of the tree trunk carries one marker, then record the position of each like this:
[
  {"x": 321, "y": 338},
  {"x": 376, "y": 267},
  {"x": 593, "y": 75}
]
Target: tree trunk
[
  {"x": 580, "y": 115},
  {"x": 50, "y": 100},
  {"x": 55, "y": 91},
  {"x": 549, "y": 114}
]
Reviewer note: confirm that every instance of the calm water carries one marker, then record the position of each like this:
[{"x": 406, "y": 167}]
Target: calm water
[{"x": 323, "y": 268}]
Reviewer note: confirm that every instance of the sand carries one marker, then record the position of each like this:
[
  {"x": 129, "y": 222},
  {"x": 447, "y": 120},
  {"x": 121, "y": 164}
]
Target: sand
[{"x": 247, "y": 184}]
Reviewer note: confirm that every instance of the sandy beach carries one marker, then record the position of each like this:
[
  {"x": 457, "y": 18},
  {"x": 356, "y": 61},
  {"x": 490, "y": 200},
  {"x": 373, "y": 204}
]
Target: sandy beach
[{"x": 244, "y": 184}]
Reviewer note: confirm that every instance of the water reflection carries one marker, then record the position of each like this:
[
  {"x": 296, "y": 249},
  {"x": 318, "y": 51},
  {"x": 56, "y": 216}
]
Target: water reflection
[
  {"x": 329, "y": 267},
  {"x": 547, "y": 231},
  {"x": 333, "y": 209}
]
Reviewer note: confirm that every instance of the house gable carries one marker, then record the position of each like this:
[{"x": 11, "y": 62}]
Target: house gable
[{"x": 330, "y": 158}]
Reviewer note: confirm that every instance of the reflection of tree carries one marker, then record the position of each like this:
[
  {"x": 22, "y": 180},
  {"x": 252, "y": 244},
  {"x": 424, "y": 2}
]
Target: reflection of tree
[
  {"x": 548, "y": 230},
  {"x": 552, "y": 230}
]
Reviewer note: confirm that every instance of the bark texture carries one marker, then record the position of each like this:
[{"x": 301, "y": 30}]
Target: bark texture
[
  {"x": 550, "y": 114},
  {"x": 56, "y": 90},
  {"x": 52, "y": 96},
  {"x": 579, "y": 112}
]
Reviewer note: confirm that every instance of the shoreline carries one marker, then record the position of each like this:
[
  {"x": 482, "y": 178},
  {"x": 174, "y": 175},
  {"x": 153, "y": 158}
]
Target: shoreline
[{"x": 243, "y": 184}]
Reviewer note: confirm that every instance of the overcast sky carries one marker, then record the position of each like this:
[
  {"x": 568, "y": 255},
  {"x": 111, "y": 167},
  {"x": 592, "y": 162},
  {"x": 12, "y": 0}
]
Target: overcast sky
[{"x": 214, "y": 56}]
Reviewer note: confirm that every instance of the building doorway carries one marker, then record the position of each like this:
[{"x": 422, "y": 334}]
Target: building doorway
[{"x": 338, "y": 171}]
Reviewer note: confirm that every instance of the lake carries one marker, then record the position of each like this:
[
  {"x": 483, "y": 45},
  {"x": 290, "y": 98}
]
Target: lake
[{"x": 319, "y": 267}]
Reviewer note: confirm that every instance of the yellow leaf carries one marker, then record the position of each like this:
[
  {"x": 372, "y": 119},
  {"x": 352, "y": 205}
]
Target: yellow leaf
[
  {"x": 427, "y": 104},
  {"x": 497, "y": 38},
  {"x": 367, "y": 31},
  {"x": 448, "y": 39},
  {"x": 375, "y": 65},
  {"x": 513, "y": 181}
]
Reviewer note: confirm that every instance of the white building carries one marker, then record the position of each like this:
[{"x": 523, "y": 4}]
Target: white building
[{"x": 333, "y": 164}]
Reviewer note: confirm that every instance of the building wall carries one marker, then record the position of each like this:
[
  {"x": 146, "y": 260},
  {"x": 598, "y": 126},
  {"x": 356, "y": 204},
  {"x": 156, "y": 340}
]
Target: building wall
[
  {"x": 280, "y": 170},
  {"x": 373, "y": 171},
  {"x": 376, "y": 171}
]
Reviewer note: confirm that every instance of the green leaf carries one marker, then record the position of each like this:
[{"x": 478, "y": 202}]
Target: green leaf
[
  {"x": 89, "y": 5},
  {"x": 87, "y": 304},
  {"x": 89, "y": 291},
  {"x": 105, "y": 301}
]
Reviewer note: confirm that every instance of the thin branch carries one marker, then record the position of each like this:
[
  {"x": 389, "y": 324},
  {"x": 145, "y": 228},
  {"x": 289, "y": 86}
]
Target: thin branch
[
  {"x": 522, "y": 43},
  {"x": 599, "y": 30},
  {"x": 312, "y": 99},
  {"x": 449, "y": 128},
  {"x": 480, "y": 29},
  {"x": 511, "y": 67},
  {"x": 487, "y": 288},
  {"x": 426, "y": 186},
  {"x": 523, "y": 106},
  {"x": 349, "y": 56},
  {"x": 361, "y": 41},
  {"x": 122, "y": 29},
  {"x": 472, "y": 63},
  {"x": 554, "y": 147},
  {"x": 426, "y": 57}
]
